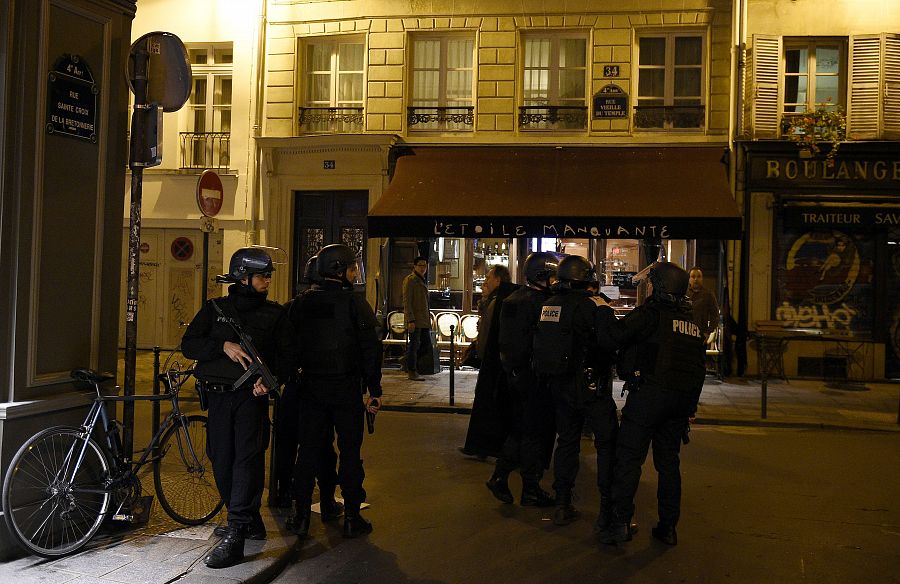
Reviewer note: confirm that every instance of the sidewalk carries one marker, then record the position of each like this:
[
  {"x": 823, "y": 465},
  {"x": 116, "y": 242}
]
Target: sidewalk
[{"x": 163, "y": 551}]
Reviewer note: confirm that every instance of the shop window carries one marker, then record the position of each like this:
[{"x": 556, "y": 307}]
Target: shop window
[
  {"x": 486, "y": 253},
  {"x": 670, "y": 81},
  {"x": 823, "y": 276},
  {"x": 442, "y": 80},
  {"x": 554, "y": 83},
  {"x": 206, "y": 129},
  {"x": 333, "y": 85}
]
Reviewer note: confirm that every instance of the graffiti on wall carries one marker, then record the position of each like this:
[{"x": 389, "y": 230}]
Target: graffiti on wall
[{"x": 824, "y": 280}]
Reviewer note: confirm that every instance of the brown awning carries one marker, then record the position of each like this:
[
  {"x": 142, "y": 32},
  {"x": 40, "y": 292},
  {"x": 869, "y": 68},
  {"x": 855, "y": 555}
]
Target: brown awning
[{"x": 481, "y": 191}]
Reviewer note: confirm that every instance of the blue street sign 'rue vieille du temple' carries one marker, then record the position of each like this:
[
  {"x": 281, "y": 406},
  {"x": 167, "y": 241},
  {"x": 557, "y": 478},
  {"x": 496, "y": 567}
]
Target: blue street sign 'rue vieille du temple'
[{"x": 610, "y": 102}]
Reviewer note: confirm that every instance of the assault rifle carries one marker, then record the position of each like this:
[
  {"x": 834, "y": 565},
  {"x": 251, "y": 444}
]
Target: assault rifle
[{"x": 258, "y": 366}]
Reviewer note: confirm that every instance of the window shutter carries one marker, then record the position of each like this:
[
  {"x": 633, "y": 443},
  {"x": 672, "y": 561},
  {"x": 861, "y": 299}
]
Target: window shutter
[
  {"x": 865, "y": 87},
  {"x": 891, "y": 95},
  {"x": 766, "y": 72}
]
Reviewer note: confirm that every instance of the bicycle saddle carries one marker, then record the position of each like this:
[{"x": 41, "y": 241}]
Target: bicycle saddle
[{"x": 89, "y": 375}]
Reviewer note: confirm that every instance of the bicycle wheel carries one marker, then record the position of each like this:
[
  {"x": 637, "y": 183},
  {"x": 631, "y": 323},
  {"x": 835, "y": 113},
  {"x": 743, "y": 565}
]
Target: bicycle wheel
[
  {"x": 51, "y": 508},
  {"x": 183, "y": 474}
]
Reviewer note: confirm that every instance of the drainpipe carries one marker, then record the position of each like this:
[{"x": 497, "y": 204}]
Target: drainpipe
[{"x": 254, "y": 200}]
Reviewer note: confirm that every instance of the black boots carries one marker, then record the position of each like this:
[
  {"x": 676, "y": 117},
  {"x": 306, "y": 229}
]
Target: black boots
[
  {"x": 665, "y": 534},
  {"x": 298, "y": 522},
  {"x": 499, "y": 486},
  {"x": 534, "y": 496},
  {"x": 617, "y": 532},
  {"x": 354, "y": 524},
  {"x": 330, "y": 509},
  {"x": 229, "y": 551},
  {"x": 565, "y": 513},
  {"x": 255, "y": 531}
]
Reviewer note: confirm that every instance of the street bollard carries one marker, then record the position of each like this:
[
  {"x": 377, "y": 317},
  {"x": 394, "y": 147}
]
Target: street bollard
[
  {"x": 764, "y": 397},
  {"x": 154, "y": 419},
  {"x": 452, "y": 360},
  {"x": 898, "y": 409}
]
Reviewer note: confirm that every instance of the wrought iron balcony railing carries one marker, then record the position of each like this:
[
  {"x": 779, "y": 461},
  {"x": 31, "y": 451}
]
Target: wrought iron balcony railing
[
  {"x": 552, "y": 117},
  {"x": 202, "y": 150},
  {"x": 451, "y": 118},
  {"x": 331, "y": 119},
  {"x": 669, "y": 116}
]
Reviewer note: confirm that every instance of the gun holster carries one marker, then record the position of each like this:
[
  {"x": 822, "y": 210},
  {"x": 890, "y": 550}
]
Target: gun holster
[{"x": 203, "y": 395}]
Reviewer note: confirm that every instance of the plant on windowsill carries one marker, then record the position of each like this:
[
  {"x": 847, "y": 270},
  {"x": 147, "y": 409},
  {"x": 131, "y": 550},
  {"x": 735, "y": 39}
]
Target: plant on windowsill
[{"x": 811, "y": 129}]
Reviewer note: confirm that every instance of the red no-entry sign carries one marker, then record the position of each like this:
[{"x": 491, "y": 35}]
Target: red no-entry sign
[{"x": 210, "y": 193}]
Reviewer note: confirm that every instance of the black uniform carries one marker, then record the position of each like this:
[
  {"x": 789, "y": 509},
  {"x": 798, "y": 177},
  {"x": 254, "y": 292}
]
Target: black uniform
[
  {"x": 579, "y": 374},
  {"x": 662, "y": 361},
  {"x": 340, "y": 358},
  {"x": 529, "y": 445},
  {"x": 238, "y": 432}
]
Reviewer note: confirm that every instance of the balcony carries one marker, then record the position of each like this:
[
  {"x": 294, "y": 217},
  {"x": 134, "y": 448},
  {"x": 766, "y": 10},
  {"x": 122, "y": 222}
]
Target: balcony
[
  {"x": 669, "y": 116},
  {"x": 202, "y": 150},
  {"x": 330, "y": 120},
  {"x": 451, "y": 119},
  {"x": 552, "y": 117}
]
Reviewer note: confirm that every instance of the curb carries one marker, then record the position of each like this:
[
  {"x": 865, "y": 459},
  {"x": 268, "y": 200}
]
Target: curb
[{"x": 700, "y": 421}]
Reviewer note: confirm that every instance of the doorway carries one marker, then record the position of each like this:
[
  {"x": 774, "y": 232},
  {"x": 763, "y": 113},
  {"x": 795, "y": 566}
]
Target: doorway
[{"x": 325, "y": 217}]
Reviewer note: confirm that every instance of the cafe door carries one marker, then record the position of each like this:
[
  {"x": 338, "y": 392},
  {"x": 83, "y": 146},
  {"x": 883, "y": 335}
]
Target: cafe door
[{"x": 325, "y": 217}]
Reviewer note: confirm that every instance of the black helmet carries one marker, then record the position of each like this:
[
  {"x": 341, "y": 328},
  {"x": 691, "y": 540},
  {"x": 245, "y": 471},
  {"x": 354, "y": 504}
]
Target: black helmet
[
  {"x": 540, "y": 266},
  {"x": 333, "y": 260},
  {"x": 670, "y": 282},
  {"x": 575, "y": 268},
  {"x": 248, "y": 261},
  {"x": 310, "y": 275}
]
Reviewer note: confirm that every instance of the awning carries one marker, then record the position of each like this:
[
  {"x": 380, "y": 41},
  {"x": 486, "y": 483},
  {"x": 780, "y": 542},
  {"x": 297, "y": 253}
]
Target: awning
[{"x": 631, "y": 193}]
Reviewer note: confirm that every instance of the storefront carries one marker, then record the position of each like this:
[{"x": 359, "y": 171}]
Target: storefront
[
  {"x": 824, "y": 259},
  {"x": 468, "y": 208}
]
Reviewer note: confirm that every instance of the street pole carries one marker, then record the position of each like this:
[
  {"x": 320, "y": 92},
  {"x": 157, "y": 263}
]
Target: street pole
[
  {"x": 205, "y": 265},
  {"x": 138, "y": 139}
]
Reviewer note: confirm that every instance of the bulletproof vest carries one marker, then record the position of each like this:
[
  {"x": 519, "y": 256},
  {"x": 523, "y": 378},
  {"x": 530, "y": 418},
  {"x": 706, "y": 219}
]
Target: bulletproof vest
[
  {"x": 554, "y": 336},
  {"x": 326, "y": 330},
  {"x": 520, "y": 314},
  {"x": 672, "y": 355}
]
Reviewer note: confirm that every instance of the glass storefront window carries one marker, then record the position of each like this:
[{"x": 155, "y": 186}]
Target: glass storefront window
[
  {"x": 486, "y": 253},
  {"x": 446, "y": 284}
]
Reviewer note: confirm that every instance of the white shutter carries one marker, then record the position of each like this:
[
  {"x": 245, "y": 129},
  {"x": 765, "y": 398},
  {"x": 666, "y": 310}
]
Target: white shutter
[
  {"x": 864, "y": 100},
  {"x": 766, "y": 77},
  {"x": 891, "y": 95}
]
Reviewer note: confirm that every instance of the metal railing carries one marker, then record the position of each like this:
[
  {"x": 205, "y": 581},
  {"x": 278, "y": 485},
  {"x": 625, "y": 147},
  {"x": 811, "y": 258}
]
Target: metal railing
[
  {"x": 454, "y": 118},
  {"x": 669, "y": 116},
  {"x": 202, "y": 150},
  {"x": 553, "y": 117},
  {"x": 331, "y": 119}
]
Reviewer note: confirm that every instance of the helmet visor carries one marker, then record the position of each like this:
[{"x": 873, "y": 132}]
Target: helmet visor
[{"x": 356, "y": 273}]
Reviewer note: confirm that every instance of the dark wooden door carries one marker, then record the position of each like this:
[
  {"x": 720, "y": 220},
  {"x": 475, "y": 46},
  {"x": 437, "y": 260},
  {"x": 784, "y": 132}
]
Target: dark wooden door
[{"x": 325, "y": 217}]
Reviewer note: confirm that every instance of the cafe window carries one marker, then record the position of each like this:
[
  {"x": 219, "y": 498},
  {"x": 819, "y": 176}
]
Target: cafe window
[
  {"x": 823, "y": 275},
  {"x": 486, "y": 253}
]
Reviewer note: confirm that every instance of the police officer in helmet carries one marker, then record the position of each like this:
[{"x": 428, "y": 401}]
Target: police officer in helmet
[
  {"x": 579, "y": 374},
  {"x": 288, "y": 433},
  {"x": 529, "y": 444},
  {"x": 662, "y": 362},
  {"x": 238, "y": 431},
  {"x": 340, "y": 359}
]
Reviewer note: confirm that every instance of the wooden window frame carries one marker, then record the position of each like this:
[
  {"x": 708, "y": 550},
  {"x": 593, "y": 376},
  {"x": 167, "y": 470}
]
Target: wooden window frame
[
  {"x": 670, "y": 67},
  {"x": 810, "y": 43}
]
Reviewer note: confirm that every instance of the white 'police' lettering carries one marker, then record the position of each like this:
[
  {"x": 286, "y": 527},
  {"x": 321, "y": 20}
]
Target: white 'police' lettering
[
  {"x": 550, "y": 313},
  {"x": 686, "y": 327}
]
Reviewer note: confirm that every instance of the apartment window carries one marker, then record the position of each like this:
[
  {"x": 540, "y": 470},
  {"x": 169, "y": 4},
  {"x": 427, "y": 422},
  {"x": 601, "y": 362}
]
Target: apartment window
[
  {"x": 813, "y": 75},
  {"x": 205, "y": 141},
  {"x": 334, "y": 74},
  {"x": 670, "y": 81},
  {"x": 442, "y": 78},
  {"x": 554, "y": 83}
]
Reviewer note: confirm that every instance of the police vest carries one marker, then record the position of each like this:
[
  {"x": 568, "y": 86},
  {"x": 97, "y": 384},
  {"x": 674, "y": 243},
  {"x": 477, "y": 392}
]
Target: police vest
[
  {"x": 326, "y": 329},
  {"x": 520, "y": 314},
  {"x": 672, "y": 356},
  {"x": 554, "y": 336}
]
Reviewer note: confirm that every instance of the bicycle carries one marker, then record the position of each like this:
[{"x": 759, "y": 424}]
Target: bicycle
[{"x": 62, "y": 484}]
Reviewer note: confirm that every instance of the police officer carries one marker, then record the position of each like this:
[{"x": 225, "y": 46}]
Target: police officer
[
  {"x": 287, "y": 429},
  {"x": 340, "y": 359},
  {"x": 579, "y": 374},
  {"x": 662, "y": 363},
  {"x": 529, "y": 444},
  {"x": 238, "y": 431}
]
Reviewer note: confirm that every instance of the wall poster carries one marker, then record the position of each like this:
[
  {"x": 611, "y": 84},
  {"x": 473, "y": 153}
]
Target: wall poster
[{"x": 823, "y": 273}]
